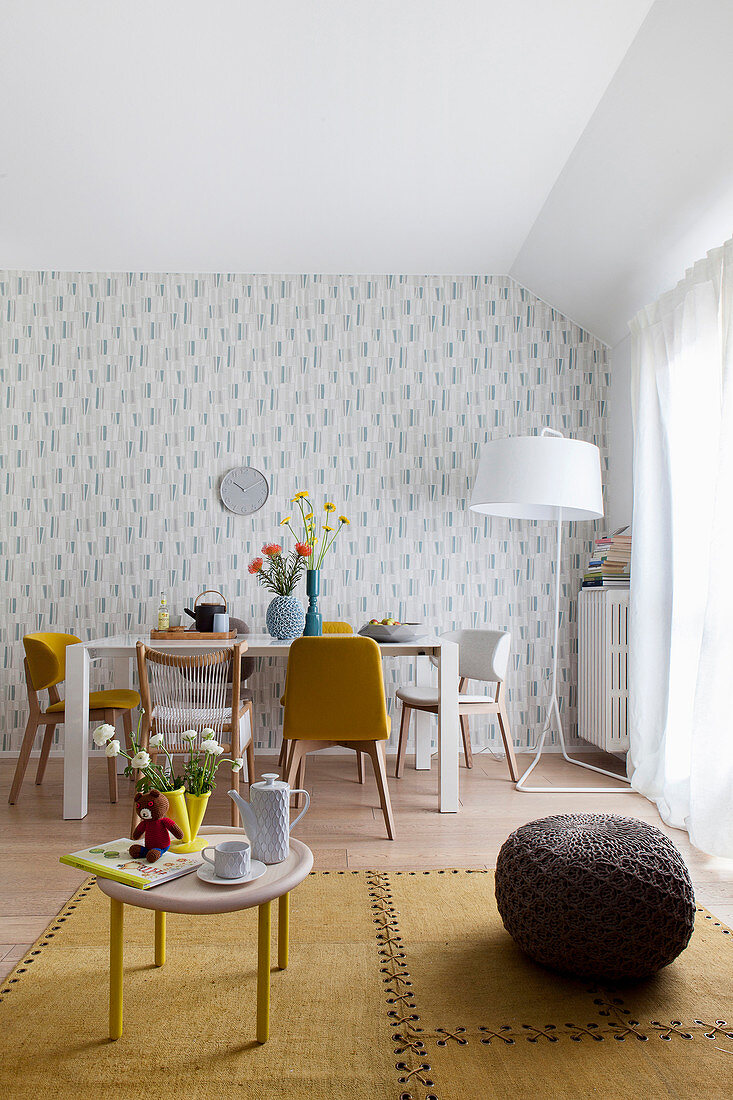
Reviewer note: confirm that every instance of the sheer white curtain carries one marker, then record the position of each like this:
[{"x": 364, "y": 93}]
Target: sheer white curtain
[{"x": 681, "y": 633}]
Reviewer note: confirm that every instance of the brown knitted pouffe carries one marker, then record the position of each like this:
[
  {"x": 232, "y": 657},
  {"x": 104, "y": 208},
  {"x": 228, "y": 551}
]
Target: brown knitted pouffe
[{"x": 595, "y": 895}]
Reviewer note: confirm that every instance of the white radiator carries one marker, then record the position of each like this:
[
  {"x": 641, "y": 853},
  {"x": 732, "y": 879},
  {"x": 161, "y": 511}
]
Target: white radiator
[{"x": 603, "y": 618}]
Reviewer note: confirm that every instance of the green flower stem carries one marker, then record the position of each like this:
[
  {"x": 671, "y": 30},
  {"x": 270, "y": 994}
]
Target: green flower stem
[{"x": 327, "y": 546}]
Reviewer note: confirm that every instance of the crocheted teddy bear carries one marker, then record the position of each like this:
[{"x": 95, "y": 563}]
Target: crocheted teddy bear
[{"x": 151, "y": 809}]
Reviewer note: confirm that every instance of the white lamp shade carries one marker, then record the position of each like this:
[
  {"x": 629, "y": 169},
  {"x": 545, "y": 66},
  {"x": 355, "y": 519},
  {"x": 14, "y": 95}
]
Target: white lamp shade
[{"x": 539, "y": 477}]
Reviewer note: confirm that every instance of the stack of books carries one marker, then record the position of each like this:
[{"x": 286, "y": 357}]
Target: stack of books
[{"x": 611, "y": 562}]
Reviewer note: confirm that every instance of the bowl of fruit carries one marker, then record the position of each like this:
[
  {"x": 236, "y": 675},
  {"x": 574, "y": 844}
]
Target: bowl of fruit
[{"x": 390, "y": 629}]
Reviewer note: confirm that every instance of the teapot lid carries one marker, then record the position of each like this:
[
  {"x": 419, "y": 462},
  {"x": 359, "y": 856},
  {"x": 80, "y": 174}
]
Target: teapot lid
[{"x": 272, "y": 782}]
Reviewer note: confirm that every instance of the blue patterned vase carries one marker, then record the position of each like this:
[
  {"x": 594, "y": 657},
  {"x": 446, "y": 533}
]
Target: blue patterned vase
[
  {"x": 285, "y": 618},
  {"x": 313, "y": 617}
]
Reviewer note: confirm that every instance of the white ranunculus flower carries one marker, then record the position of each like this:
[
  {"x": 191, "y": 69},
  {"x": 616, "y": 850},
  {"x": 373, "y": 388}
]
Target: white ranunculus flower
[
  {"x": 103, "y": 734},
  {"x": 237, "y": 764},
  {"x": 141, "y": 759},
  {"x": 212, "y": 746},
  {"x": 113, "y": 748},
  {"x": 189, "y": 735},
  {"x": 208, "y": 732},
  {"x": 156, "y": 741}
]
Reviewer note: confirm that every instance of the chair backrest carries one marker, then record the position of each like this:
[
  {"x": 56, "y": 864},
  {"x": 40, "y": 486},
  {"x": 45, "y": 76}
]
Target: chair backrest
[
  {"x": 482, "y": 654},
  {"x": 337, "y": 628},
  {"x": 183, "y": 691},
  {"x": 334, "y": 690},
  {"x": 46, "y": 656}
]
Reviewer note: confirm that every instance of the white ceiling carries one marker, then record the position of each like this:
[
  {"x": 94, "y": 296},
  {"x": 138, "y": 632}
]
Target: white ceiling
[
  {"x": 296, "y": 135},
  {"x": 570, "y": 143}
]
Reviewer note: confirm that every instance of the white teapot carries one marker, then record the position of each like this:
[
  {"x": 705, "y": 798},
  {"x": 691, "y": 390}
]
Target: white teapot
[{"x": 266, "y": 817}]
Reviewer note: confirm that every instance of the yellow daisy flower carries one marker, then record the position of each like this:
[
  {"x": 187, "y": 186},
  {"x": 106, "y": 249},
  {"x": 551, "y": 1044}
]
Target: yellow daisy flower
[
  {"x": 344, "y": 520},
  {"x": 328, "y": 507},
  {"x": 284, "y": 521},
  {"x": 309, "y": 516},
  {"x": 326, "y": 528}
]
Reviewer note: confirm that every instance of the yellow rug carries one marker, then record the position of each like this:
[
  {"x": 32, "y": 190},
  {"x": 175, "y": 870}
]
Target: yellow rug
[{"x": 400, "y": 985}]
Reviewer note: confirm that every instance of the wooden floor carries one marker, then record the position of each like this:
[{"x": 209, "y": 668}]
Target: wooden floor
[{"x": 344, "y": 827}]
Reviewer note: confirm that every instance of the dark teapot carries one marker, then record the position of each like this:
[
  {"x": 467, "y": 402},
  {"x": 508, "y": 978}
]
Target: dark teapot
[{"x": 204, "y": 613}]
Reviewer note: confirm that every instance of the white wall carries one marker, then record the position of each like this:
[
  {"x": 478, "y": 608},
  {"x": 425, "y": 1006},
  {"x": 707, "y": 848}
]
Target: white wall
[
  {"x": 129, "y": 396},
  {"x": 648, "y": 189},
  {"x": 620, "y": 437}
]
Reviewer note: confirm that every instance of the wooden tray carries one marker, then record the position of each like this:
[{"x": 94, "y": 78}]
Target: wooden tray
[{"x": 191, "y": 635}]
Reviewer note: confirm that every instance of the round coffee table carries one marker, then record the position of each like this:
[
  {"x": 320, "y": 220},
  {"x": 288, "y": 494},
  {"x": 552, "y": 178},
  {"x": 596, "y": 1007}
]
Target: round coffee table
[{"x": 189, "y": 894}]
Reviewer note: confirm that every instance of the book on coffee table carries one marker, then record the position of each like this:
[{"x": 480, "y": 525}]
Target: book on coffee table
[{"x": 113, "y": 860}]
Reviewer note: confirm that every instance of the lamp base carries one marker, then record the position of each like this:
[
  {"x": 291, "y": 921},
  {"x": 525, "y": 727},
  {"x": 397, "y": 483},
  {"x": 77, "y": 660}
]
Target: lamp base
[{"x": 520, "y": 785}]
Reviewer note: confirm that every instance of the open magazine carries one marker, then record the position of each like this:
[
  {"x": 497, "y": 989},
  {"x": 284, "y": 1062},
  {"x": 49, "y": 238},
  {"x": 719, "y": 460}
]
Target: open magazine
[{"x": 113, "y": 860}]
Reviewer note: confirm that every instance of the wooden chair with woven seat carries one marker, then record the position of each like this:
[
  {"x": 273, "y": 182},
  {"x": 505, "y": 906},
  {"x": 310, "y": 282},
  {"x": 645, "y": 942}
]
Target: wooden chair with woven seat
[
  {"x": 482, "y": 655},
  {"x": 45, "y": 669},
  {"x": 334, "y": 695},
  {"x": 183, "y": 691}
]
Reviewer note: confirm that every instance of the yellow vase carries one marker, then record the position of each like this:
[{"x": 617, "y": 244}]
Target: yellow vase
[
  {"x": 178, "y": 812},
  {"x": 192, "y": 808}
]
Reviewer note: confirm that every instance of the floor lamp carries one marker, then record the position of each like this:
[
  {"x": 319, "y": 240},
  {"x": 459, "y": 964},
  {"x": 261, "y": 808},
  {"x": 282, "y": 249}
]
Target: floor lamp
[{"x": 544, "y": 477}]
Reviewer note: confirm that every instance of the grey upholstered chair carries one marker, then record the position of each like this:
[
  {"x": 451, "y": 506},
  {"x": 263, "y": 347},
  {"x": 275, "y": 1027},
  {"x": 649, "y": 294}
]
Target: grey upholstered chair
[{"x": 482, "y": 655}]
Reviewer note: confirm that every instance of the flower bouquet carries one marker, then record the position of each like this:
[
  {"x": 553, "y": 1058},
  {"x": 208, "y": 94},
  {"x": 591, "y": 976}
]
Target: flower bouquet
[
  {"x": 280, "y": 574},
  {"x": 319, "y": 540},
  {"x": 188, "y": 793}
]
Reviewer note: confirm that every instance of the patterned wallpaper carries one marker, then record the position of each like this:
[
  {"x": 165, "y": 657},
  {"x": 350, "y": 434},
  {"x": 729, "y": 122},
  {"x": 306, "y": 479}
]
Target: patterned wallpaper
[{"x": 128, "y": 396}]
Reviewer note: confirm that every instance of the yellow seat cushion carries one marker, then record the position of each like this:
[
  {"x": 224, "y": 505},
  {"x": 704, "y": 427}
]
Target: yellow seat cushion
[{"x": 114, "y": 699}]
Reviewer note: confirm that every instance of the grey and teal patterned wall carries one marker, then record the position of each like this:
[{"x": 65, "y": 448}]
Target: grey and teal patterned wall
[{"x": 127, "y": 396}]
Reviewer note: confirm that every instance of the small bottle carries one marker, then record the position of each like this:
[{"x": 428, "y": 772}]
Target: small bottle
[{"x": 163, "y": 616}]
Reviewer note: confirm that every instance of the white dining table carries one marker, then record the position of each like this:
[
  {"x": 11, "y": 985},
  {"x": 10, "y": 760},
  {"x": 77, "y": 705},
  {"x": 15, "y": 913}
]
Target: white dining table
[{"x": 120, "y": 649}]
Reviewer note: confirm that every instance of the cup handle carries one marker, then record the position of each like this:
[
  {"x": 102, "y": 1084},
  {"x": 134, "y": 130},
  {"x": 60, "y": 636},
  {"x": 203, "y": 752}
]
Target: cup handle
[
  {"x": 207, "y": 858},
  {"x": 304, "y": 810}
]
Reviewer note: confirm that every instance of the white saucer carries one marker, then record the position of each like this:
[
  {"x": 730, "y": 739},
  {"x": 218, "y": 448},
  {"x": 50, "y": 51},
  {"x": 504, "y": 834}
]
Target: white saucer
[{"x": 208, "y": 874}]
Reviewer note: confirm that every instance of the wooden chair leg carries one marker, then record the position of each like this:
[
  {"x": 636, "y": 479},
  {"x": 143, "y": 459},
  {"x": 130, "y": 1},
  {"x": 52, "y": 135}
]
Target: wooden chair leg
[
  {"x": 283, "y": 757},
  {"x": 506, "y": 736},
  {"x": 45, "y": 749},
  {"x": 376, "y": 751},
  {"x": 360, "y": 765},
  {"x": 251, "y": 763},
  {"x": 127, "y": 728},
  {"x": 110, "y": 716},
  {"x": 300, "y": 781},
  {"x": 402, "y": 743},
  {"x": 23, "y": 756},
  {"x": 293, "y": 763},
  {"x": 468, "y": 754}
]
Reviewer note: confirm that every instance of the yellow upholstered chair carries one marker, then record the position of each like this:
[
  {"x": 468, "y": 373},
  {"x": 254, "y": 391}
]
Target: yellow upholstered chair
[
  {"x": 45, "y": 669},
  {"x": 328, "y": 628},
  {"x": 334, "y": 695}
]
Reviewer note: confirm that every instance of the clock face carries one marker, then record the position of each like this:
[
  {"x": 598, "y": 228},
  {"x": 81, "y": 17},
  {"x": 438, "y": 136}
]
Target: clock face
[{"x": 244, "y": 490}]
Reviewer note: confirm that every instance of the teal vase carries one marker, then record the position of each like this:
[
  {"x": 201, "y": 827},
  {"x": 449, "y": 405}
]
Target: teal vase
[{"x": 313, "y": 617}]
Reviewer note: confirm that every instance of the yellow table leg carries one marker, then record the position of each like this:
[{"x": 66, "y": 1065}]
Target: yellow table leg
[
  {"x": 159, "y": 938},
  {"x": 263, "y": 972},
  {"x": 283, "y": 930},
  {"x": 116, "y": 927}
]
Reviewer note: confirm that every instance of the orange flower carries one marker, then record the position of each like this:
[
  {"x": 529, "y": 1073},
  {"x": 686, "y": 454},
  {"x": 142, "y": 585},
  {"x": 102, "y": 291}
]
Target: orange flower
[
  {"x": 303, "y": 549},
  {"x": 271, "y": 549},
  {"x": 255, "y": 565}
]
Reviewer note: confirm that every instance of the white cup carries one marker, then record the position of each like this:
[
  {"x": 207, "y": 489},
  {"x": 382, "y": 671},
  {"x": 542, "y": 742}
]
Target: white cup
[
  {"x": 231, "y": 858},
  {"x": 220, "y": 624}
]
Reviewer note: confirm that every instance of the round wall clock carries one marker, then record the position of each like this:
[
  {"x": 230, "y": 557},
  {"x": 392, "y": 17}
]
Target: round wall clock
[{"x": 244, "y": 490}]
